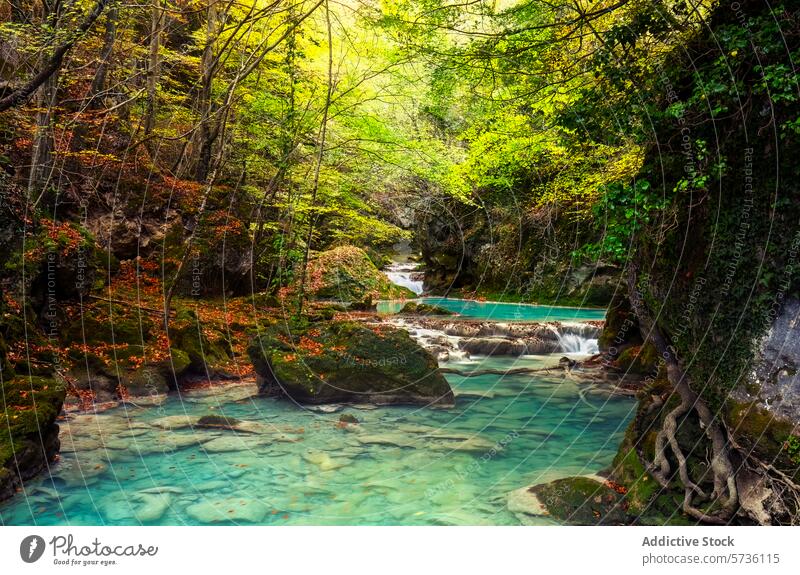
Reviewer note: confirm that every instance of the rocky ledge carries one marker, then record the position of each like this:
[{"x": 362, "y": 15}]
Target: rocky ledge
[
  {"x": 347, "y": 362},
  {"x": 446, "y": 336},
  {"x": 28, "y": 433},
  {"x": 582, "y": 500}
]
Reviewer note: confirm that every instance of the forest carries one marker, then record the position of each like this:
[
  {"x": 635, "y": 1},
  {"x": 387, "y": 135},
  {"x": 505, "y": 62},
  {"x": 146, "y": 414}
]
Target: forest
[{"x": 198, "y": 197}]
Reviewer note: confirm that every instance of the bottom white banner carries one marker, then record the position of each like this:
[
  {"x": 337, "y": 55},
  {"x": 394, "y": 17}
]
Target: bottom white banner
[{"x": 390, "y": 550}]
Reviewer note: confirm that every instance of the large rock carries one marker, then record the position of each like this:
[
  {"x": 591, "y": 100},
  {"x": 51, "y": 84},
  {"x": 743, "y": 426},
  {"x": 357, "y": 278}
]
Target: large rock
[
  {"x": 28, "y": 432},
  {"x": 337, "y": 362},
  {"x": 774, "y": 379},
  {"x": 416, "y": 308},
  {"x": 574, "y": 500},
  {"x": 503, "y": 346},
  {"x": 347, "y": 274}
]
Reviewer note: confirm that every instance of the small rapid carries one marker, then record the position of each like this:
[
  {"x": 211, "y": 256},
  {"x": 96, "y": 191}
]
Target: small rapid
[
  {"x": 573, "y": 343},
  {"x": 577, "y": 338},
  {"x": 406, "y": 275},
  {"x": 460, "y": 339}
]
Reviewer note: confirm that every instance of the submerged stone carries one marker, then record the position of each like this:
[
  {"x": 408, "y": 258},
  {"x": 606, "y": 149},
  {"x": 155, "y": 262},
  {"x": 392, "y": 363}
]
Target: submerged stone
[
  {"x": 224, "y": 510},
  {"x": 174, "y": 422},
  {"x": 235, "y": 443},
  {"x": 324, "y": 461}
]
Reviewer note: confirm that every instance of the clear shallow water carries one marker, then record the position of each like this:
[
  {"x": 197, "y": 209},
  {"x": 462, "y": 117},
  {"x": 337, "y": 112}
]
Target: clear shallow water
[
  {"x": 502, "y": 311},
  {"x": 401, "y": 465}
]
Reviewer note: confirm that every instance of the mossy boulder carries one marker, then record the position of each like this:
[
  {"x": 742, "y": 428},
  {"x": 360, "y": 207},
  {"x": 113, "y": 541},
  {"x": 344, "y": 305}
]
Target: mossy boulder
[
  {"x": 102, "y": 323},
  {"x": 147, "y": 380},
  {"x": 344, "y": 361},
  {"x": 202, "y": 346},
  {"x": 347, "y": 274},
  {"x": 28, "y": 432},
  {"x": 581, "y": 501},
  {"x": 416, "y": 308}
]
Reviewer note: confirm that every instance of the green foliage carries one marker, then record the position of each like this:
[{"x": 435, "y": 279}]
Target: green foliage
[
  {"x": 792, "y": 446},
  {"x": 620, "y": 213}
]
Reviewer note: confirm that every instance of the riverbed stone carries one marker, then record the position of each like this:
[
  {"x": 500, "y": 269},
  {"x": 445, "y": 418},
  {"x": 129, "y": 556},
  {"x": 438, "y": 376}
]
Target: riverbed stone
[{"x": 225, "y": 510}]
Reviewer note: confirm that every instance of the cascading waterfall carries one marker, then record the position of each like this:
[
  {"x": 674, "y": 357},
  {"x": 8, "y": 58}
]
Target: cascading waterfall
[
  {"x": 405, "y": 275},
  {"x": 577, "y": 338},
  {"x": 573, "y": 343}
]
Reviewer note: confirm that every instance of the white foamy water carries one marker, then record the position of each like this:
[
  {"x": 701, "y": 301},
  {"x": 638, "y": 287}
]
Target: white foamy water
[
  {"x": 577, "y": 338},
  {"x": 403, "y": 274},
  {"x": 446, "y": 346},
  {"x": 573, "y": 343},
  {"x": 574, "y": 339}
]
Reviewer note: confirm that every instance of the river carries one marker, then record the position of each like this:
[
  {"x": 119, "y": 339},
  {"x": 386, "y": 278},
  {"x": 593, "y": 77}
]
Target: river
[{"x": 399, "y": 466}]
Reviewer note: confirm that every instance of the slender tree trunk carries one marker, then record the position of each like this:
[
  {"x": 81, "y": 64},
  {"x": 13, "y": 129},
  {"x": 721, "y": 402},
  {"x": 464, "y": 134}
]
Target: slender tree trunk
[
  {"x": 100, "y": 75},
  {"x": 43, "y": 141},
  {"x": 156, "y": 17},
  {"x": 46, "y": 96},
  {"x": 315, "y": 186},
  {"x": 208, "y": 130}
]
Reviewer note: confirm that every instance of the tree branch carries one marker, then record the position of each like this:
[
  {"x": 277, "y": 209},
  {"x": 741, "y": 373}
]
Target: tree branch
[{"x": 21, "y": 94}]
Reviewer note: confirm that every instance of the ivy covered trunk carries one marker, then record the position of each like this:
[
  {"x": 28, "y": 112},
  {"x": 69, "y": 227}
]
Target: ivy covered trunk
[{"x": 716, "y": 271}]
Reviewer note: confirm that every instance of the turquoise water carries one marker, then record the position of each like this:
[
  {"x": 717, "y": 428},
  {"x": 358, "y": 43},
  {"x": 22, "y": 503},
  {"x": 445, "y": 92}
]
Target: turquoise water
[
  {"x": 399, "y": 466},
  {"x": 502, "y": 311}
]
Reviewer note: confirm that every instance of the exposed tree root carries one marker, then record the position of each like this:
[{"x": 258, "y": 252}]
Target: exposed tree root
[
  {"x": 767, "y": 494},
  {"x": 725, "y": 488}
]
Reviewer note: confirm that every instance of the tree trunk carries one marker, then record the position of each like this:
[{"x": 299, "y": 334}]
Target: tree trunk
[
  {"x": 43, "y": 140},
  {"x": 156, "y": 15},
  {"x": 315, "y": 187},
  {"x": 208, "y": 131},
  {"x": 100, "y": 75}
]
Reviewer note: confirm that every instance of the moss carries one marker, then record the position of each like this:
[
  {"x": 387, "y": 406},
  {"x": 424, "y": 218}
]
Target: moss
[
  {"x": 628, "y": 471},
  {"x": 109, "y": 323},
  {"x": 347, "y": 274},
  {"x": 179, "y": 363},
  {"x": 621, "y": 328},
  {"x": 31, "y": 405},
  {"x": 425, "y": 309},
  {"x": 764, "y": 434},
  {"x": 582, "y": 500},
  {"x": 638, "y": 359},
  {"x": 346, "y": 361},
  {"x": 144, "y": 381},
  {"x": 188, "y": 336}
]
